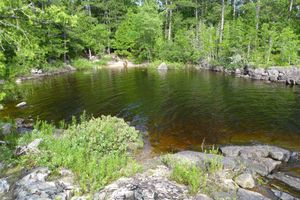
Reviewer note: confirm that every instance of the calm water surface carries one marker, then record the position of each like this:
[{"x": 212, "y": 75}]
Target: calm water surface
[{"x": 179, "y": 109}]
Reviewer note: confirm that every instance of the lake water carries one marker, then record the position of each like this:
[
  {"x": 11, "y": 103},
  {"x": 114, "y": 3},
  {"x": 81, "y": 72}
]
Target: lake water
[{"x": 179, "y": 109}]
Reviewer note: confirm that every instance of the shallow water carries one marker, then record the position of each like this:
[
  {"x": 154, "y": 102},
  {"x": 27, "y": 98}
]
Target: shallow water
[{"x": 179, "y": 109}]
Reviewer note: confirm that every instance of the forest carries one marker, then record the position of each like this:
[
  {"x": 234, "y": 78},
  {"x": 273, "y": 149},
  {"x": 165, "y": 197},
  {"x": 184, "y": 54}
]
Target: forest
[{"x": 46, "y": 34}]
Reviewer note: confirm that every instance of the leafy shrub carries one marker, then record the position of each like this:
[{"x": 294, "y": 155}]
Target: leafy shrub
[{"x": 96, "y": 150}]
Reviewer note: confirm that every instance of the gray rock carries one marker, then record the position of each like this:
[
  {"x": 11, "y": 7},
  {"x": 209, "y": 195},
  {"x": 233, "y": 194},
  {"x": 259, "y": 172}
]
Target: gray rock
[
  {"x": 262, "y": 159},
  {"x": 273, "y": 72},
  {"x": 2, "y": 82},
  {"x": 6, "y": 128},
  {"x": 22, "y": 104},
  {"x": 30, "y": 148},
  {"x": 283, "y": 196},
  {"x": 2, "y": 143},
  {"x": 146, "y": 186},
  {"x": 238, "y": 71},
  {"x": 243, "y": 194},
  {"x": 293, "y": 182},
  {"x": 162, "y": 66},
  {"x": 245, "y": 181},
  {"x": 4, "y": 186},
  {"x": 35, "y": 186},
  {"x": 202, "y": 197}
]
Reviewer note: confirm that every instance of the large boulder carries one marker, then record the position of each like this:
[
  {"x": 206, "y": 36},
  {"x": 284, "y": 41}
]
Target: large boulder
[
  {"x": 293, "y": 76},
  {"x": 162, "y": 66},
  {"x": 245, "y": 180}
]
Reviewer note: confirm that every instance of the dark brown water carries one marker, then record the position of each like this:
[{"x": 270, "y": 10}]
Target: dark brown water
[{"x": 179, "y": 108}]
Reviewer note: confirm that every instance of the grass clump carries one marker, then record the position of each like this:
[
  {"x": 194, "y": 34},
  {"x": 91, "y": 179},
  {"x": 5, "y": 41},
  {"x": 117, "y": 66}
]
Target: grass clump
[
  {"x": 98, "y": 150},
  {"x": 192, "y": 176},
  {"x": 82, "y": 63}
]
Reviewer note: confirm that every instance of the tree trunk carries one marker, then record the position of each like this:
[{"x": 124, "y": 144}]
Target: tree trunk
[
  {"x": 233, "y": 2},
  {"x": 291, "y": 5},
  {"x": 222, "y": 21},
  {"x": 257, "y": 14},
  {"x": 270, "y": 49},
  {"x": 65, "y": 46},
  {"x": 90, "y": 14},
  {"x": 167, "y": 17},
  {"x": 197, "y": 23},
  {"x": 170, "y": 23}
]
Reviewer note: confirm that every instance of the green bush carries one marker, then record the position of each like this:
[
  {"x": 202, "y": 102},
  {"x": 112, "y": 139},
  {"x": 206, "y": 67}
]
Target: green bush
[{"x": 98, "y": 150}]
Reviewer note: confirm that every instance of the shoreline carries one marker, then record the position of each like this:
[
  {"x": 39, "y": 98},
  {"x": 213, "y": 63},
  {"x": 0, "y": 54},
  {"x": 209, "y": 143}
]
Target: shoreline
[{"x": 287, "y": 75}]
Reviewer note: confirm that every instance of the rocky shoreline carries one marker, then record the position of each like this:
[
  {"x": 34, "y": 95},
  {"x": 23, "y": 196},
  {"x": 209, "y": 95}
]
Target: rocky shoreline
[
  {"x": 245, "y": 174},
  {"x": 286, "y": 75},
  {"x": 37, "y": 74}
]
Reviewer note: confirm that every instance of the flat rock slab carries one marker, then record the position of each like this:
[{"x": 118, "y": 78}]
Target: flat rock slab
[
  {"x": 293, "y": 182},
  {"x": 243, "y": 194}
]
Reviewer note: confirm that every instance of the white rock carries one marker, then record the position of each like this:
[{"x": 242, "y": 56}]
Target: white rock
[
  {"x": 162, "y": 66},
  {"x": 4, "y": 186},
  {"x": 22, "y": 104},
  {"x": 245, "y": 181}
]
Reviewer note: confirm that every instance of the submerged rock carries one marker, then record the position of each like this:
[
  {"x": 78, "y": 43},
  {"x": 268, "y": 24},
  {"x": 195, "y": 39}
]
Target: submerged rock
[
  {"x": 22, "y": 104},
  {"x": 4, "y": 186},
  {"x": 245, "y": 181}
]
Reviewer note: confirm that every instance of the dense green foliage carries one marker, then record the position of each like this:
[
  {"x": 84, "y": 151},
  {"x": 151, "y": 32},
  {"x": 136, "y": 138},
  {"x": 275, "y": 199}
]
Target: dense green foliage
[
  {"x": 96, "y": 150},
  {"x": 39, "y": 33}
]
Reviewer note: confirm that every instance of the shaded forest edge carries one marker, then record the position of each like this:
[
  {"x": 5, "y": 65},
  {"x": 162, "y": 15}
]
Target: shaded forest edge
[{"x": 45, "y": 35}]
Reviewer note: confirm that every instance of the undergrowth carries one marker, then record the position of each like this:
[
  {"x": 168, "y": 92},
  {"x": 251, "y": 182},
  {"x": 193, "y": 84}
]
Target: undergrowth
[{"x": 97, "y": 150}]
